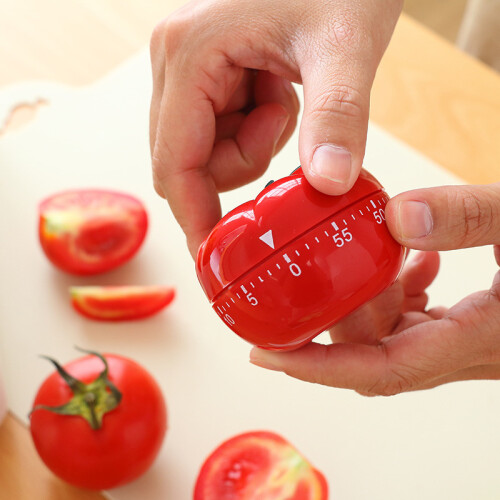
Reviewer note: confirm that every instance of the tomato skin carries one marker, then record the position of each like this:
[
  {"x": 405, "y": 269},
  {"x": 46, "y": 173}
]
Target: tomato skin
[
  {"x": 91, "y": 231},
  {"x": 258, "y": 465},
  {"x": 120, "y": 303},
  {"x": 128, "y": 441}
]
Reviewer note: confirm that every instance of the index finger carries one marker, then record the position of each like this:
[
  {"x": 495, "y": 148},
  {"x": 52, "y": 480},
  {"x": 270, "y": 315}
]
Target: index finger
[
  {"x": 185, "y": 134},
  {"x": 446, "y": 217}
]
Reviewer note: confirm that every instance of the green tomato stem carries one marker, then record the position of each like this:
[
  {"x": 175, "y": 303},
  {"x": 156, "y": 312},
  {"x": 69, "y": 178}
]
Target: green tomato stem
[{"x": 90, "y": 401}]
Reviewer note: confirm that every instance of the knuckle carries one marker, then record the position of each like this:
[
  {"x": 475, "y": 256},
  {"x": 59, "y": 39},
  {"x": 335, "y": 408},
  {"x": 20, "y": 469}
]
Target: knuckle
[
  {"x": 161, "y": 173},
  {"x": 395, "y": 383},
  {"x": 346, "y": 37},
  {"x": 395, "y": 379},
  {"x": 341, "y": 31},
  {"x": 156, "y": 36},
  {"x": 339, "y": 34},
  {"x": 366, "y": 394},
  {"x": 387, "y": 388},
  {"x": 339, "y": 101},
  {"x": 481, "y": 327},
  {"x": 322, "y": 376},
  {"x": 158, "y": 188},
  {"x": 475, "y": 218},
  {"x": 158, "y": 177},
  {"x": 169, "y": 34},
  {"x": 487, "y": 324}
]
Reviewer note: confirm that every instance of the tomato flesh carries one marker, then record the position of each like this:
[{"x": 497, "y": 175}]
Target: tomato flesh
[
  {"x": 90, "y": 231},
  {"x": 259, "y": 465},
  {"x": 120, "y": 303},
  {"x": 123, "y": 448},
  {"x": 102, "y": 237}
]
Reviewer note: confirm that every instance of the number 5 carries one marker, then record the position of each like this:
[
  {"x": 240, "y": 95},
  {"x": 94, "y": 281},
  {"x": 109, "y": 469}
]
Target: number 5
[
  {"x": 346, "y": 234},
  {"x": 253, "y": 300}
]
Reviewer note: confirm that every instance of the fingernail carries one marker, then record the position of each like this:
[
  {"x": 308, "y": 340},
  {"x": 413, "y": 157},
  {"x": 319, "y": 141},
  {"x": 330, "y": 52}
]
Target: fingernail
[
  {"x": 258, "y": 358},
  {"x": 415, "y": 219},
  {"x": 332, "y": 162}
]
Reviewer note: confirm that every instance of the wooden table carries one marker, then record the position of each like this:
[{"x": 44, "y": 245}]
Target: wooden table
[{"x": 427, "y": 93}]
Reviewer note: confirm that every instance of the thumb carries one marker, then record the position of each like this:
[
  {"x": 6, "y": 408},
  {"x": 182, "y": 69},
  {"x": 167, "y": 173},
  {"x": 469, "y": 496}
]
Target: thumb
[
  {"x": 446, "y": 218},
  {"x": 334, "y": 126}
]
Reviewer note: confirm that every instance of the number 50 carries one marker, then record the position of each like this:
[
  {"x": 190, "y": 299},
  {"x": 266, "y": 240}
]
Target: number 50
[{"x": 379, "y": 215}]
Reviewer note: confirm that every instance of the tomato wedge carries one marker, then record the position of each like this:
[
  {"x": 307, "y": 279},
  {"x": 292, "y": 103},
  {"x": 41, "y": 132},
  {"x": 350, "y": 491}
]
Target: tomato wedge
[
  {"x": 259, "y": 465},
  {"x": 90, "y": 231},
  {"x": 119, "y": 303}
]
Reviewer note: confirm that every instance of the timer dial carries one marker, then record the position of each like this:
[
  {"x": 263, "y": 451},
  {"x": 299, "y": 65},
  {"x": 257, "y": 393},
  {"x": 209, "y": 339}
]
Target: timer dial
[{"x": 283, "y": 268}]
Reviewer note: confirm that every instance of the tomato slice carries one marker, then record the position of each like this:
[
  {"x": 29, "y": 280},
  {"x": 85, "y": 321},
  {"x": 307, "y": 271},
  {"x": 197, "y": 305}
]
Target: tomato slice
[
  {"x": 259, "y": 465},
  {"x": 119, "y": 303},
  {"x": 90, "y": 231}
]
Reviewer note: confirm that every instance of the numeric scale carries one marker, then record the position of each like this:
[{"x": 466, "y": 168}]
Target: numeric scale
[{"x": 283, "y": 268}]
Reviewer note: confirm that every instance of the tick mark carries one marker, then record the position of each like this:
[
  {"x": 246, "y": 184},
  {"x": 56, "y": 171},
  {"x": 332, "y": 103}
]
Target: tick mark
[
  {"x": 287, "y": 259},
  {"x": 354, "y": 218},
  {"x": 327, "y": 233},
  {"x": 238, "y": 295},
  {"x": 361, "y": 212},
  {"x": 368, "y": 208},
  {"x": 373, "y": 203},
  {"x": 278, "y": 266},
  {"x": 297, "y": 252},
  {"x": 261, "y": 280},
  {"x": 335, "y": 226},
  {"x": 253, "y": 286},
  {"x": 233, "y": 300},
  {"x": 317, "y": 241},
  {"x": 243, "y": 289},
  {"x": 345, "y": 222},
  {"x": 307, "y": 246},
  {"x": 269, "y": 272},
  {"x": 379, "y": 202}
]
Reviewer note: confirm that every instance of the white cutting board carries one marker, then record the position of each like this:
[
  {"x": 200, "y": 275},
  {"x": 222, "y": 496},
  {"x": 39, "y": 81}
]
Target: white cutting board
[{"x": 436, "y": 444}]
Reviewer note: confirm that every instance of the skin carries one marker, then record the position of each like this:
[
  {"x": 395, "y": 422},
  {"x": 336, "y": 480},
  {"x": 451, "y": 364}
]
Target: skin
[
  {"x": 394, "y": 344},
  {"x": 215, "y": 124},
  {"x": 222, "y": 106}
]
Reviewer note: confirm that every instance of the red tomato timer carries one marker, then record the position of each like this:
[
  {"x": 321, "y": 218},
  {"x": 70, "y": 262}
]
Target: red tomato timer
[{"x": 282, "y": 268}]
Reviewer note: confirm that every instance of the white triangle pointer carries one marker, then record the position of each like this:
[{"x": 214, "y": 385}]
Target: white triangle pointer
[{"x": 267, "y": 238}]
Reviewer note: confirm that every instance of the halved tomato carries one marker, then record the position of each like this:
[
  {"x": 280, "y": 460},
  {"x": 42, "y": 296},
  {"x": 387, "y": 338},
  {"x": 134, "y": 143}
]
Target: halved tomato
[
  {"x": 90, "y": 231},
  {"x": 120, "y": 303},
  {"x": 259, "y": 465}
]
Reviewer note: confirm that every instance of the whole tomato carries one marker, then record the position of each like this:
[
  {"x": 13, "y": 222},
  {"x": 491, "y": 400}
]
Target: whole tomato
[{"x": 99, "y": 421}]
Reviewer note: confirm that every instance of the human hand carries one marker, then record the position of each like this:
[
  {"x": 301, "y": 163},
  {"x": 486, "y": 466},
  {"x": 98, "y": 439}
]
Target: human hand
[
  {"x": 223, "y": 104},
  {"x": 393, "y": 344}
]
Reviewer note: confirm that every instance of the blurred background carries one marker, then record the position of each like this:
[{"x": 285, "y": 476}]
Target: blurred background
[
  {"x": 126, "y": 25},
  {"x": 444, "y": 16},
  {"x": 428, "y": 95}
]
